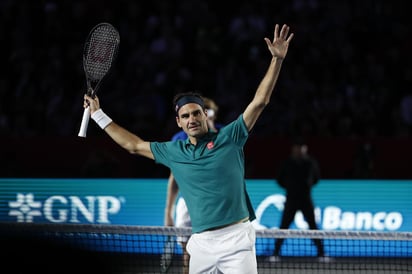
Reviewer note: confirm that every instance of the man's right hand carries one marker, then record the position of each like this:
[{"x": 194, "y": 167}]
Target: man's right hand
[{"x": 93, "y": 103}]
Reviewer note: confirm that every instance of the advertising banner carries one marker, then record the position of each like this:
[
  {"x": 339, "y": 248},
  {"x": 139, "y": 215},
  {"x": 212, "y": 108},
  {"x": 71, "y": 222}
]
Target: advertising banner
[
  {"x": 346, "y": 205},
  {"x": 361, "y": 205}
]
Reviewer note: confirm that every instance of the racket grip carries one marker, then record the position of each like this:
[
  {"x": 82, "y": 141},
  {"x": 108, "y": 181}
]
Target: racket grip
[{"x": 85, "y": 122}]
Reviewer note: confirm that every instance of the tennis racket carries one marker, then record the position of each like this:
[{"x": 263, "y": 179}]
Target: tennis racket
[
  {"x": 100, "y": 51},
  {"x": 168, "y": 253}
]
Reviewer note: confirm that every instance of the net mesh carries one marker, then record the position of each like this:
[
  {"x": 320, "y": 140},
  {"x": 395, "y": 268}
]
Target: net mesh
[{"x": 81, "y": 248}]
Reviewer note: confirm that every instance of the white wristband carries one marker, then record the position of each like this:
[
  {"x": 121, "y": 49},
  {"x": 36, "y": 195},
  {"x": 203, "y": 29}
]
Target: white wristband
[{"x": 101, "y": 118}]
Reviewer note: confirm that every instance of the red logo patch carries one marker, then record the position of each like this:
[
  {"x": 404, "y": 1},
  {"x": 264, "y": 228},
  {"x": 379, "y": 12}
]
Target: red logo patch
[{"x": 210, "y": 145}]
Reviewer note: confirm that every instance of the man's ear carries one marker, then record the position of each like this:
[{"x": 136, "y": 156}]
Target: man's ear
[{"x": 178, "y": 122}]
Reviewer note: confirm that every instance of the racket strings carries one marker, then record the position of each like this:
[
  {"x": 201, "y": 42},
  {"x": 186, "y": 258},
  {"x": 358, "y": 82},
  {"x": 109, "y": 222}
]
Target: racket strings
[{"x": 100, "y": 51}]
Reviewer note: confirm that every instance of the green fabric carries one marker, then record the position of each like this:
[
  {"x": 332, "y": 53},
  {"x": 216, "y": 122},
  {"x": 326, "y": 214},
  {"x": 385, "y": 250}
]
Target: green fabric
[{"x": 210, "y": 175}]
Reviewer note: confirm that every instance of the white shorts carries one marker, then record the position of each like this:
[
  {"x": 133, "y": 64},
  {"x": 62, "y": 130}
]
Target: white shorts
[
  {"x": 182, "y": 214},
  {"x": 182, "y": 218},
  {"x": 227, "y": 250}
]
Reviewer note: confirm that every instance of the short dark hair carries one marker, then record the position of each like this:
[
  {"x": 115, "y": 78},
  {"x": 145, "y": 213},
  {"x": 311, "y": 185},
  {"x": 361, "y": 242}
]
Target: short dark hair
[{"x": 183, "y": 98}]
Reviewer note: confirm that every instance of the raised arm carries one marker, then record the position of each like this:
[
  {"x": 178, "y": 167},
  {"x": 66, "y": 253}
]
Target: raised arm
[
  {"x": 278, "y": 48},
  {"x": 127, "y": 140}
]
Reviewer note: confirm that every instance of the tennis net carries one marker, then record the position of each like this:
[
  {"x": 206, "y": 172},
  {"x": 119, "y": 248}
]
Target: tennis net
[{"x": 88, "y": 248}]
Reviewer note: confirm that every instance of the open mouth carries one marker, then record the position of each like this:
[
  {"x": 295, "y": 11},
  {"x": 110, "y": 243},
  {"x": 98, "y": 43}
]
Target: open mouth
[{"x": 193, "y": 127}]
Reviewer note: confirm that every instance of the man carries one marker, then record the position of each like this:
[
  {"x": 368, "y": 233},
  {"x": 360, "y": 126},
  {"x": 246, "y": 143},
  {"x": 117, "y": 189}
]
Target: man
[
  {"x": 182, "y": 218},
  {"x": 297, "y": 175},
  {"x": 209, "y": 169}
]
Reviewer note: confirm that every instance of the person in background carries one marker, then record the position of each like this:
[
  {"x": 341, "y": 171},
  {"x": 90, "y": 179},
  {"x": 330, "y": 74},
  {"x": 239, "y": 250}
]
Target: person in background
[
  {"x": 210, "y": 169},
  {"x": 297, "y": 175},
  {"x": 182, "y": 218}
]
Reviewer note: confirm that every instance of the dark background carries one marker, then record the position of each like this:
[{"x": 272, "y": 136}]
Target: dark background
[{"x": 345, "y": 84}]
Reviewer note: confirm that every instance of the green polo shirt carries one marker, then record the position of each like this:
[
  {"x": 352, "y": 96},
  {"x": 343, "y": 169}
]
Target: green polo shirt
[{"x": 210, "y": 175}]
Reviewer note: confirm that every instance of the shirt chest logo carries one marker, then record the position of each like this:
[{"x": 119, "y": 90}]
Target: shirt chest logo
[{"x": 210, "y": 145}]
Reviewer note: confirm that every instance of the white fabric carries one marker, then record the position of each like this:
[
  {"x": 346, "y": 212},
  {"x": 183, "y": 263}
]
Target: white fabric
[
  {"x": 182, "y": 218},
  {"x": 227, "y": 250},
  {"x": 101, "y": 118},
  {"x": 182, "y": 214}
]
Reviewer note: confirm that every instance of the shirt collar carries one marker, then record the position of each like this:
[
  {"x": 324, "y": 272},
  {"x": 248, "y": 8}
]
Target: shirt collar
[{"x": 206, "y": 138}]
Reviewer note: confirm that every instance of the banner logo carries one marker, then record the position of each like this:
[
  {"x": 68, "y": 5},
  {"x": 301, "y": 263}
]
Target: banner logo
[
  {"x": 330, "y": 218},
  {"x": 62, "y": 209}
]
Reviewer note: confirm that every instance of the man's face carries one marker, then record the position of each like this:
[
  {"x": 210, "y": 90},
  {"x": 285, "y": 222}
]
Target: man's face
[{"x": 192, "y": 119}]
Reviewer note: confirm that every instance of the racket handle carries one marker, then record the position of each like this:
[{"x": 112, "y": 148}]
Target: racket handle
[{"x": 85, "y": 122}]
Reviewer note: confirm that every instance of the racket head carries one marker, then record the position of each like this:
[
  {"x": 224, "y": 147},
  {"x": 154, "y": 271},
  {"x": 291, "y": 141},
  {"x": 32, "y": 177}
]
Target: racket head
[
  {"x": 100, "y": 51},
  {"x": 168, "y": 253}
]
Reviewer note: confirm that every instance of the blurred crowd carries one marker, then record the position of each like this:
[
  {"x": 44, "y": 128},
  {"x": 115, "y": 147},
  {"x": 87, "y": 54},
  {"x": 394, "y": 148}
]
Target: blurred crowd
[{"x": 348, "y": 72}]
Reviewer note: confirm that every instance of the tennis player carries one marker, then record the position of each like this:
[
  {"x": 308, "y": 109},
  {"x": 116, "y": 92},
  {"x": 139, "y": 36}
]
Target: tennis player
[
  {"x": 182, "y": 217},
  {"x": 209, "y": 169}
]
